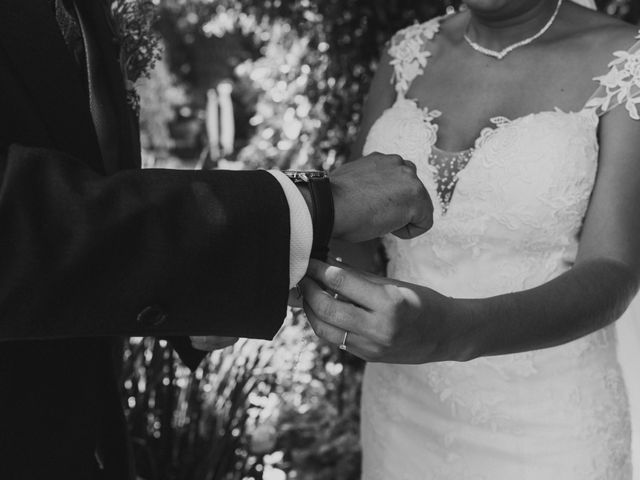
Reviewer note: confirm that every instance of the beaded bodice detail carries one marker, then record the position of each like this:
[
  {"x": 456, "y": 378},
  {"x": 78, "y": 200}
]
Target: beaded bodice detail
[
  {"x": 511, "y": 210},
  {"x": 446, "y": 166}
]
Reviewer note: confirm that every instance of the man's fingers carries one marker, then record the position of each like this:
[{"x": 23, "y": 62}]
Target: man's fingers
[
  {"x": 411, "y": 231},
  {"x": 423, "y": 220},
  {"x": 208, "y": 347},
  {"x": 403, "y": 233},
  {"x": 411, "y": 165},
  {"x": 211, "y": 343},
  {"x": 347, "y": 283}
]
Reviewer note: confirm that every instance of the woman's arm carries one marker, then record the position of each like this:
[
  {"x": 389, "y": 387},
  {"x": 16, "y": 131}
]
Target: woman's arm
[
  {"x": 604, "y": 279},
  {"x": 402, "y": 323}
]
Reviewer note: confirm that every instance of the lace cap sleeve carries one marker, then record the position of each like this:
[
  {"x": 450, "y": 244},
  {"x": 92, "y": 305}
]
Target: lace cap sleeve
[
  {"x": 408, "y": 54},
  {"x": 621, "y": 85}
]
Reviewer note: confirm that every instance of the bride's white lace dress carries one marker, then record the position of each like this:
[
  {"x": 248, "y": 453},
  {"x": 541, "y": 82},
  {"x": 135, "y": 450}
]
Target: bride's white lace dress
[{"x": 511, "y": 223}]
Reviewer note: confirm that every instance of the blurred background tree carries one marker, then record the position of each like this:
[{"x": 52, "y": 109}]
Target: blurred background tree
[{"x": 255, "y": 84}]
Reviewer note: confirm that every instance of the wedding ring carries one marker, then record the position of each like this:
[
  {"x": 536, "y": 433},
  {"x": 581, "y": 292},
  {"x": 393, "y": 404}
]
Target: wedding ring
[{"x": 343, "y": 345}]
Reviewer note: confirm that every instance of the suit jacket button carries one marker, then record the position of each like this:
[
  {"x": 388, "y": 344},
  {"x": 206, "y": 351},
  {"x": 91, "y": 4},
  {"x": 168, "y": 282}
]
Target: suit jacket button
[{"x": 152, "y": 316}]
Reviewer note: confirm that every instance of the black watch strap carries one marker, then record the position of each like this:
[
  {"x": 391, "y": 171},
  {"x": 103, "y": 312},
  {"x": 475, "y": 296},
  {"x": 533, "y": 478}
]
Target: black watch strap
[
  {"x": 322, "y": 215},
  {"x": 322, "y": 208}
]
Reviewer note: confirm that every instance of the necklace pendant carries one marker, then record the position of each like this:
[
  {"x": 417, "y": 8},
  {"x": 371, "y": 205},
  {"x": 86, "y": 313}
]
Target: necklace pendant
[{"x": 492, "y": 53}]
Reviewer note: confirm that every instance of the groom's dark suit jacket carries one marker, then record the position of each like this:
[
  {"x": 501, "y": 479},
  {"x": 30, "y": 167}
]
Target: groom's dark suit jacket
[{"x": 91, "y": 251}]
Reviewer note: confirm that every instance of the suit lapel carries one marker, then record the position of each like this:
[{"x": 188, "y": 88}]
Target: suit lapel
[{"x": 32, "y": 40}]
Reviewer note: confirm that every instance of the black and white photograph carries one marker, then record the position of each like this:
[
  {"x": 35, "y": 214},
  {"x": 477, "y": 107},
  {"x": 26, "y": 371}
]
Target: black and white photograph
[{"x": 320, "y": 239}]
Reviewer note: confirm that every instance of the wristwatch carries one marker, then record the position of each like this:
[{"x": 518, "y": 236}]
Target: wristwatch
[{"x": 322, "y": 209}]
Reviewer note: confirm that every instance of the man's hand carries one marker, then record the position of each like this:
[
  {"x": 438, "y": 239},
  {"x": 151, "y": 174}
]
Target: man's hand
[
  {"x": 379, "y": 194},
  {"x": 387, "y": 321},
  {"x": 209, "y": 344}
]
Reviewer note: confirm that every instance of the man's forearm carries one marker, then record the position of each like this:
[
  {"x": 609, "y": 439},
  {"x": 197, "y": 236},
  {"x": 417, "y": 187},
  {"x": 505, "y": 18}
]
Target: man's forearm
[
  {"x": 588, "y": 297},
  {"x": 153, "y": 252}
]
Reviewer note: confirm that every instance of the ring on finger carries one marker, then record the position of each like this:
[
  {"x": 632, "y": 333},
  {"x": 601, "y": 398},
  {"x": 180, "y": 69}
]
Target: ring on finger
[{"x": 343, "y": 345}]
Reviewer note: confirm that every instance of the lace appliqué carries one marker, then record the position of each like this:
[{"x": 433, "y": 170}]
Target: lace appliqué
[
  {"x": 409, "y": 59},
  {"x": 620, "y": 85}
]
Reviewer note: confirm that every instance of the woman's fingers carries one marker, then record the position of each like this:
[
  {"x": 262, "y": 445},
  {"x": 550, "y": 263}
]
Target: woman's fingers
[
  {"x": 355, "y": 343},
  {"x": 348, "y": 283},
  {"x": 332, "y": 311},
  {"x": 372, "y": 335}
]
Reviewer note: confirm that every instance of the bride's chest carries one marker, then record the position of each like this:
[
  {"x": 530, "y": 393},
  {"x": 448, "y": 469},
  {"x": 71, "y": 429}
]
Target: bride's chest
[
  {"x": 507, "y": 90},
  {"x": 521, "y": 173}
]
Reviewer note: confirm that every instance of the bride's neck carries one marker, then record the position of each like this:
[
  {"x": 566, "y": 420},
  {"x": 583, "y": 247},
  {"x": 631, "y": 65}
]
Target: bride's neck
[{"x": 516, "y": 20}]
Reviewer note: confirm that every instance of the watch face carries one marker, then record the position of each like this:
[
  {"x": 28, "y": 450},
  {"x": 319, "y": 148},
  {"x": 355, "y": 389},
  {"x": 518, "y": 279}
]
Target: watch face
[
  {"x": 316, "y": 174},
  {"x": 305, "y": 176}
]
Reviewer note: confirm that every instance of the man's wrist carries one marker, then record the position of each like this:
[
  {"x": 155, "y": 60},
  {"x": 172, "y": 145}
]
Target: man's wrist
[{"x": 316, "y": 190}]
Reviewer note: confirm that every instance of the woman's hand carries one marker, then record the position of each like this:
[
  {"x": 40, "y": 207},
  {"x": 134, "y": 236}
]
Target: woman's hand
[{"x": 386, "y": 320}]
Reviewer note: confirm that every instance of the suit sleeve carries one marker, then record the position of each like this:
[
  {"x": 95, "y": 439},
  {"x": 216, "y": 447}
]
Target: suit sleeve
[{"x": 150, "y": 252}]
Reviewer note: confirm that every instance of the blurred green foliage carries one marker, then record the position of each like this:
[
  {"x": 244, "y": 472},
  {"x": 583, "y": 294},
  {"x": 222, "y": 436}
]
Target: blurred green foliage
[
  {"x": 255, "y": 410},
  {"x": 301, "y": 63},
  {"x": 291, "y": 62},
  {"x": 300, "y": 70}
]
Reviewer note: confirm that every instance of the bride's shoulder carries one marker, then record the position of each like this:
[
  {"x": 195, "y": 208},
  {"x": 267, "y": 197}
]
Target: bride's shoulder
[
  {"x": 613, "y": 35},
  {"x": 599, "y": 34},
  {"x": 590, "y": 39}
]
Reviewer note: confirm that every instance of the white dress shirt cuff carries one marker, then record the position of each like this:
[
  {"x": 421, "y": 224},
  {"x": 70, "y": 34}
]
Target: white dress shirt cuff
[{"x": 301, "y": 236}]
